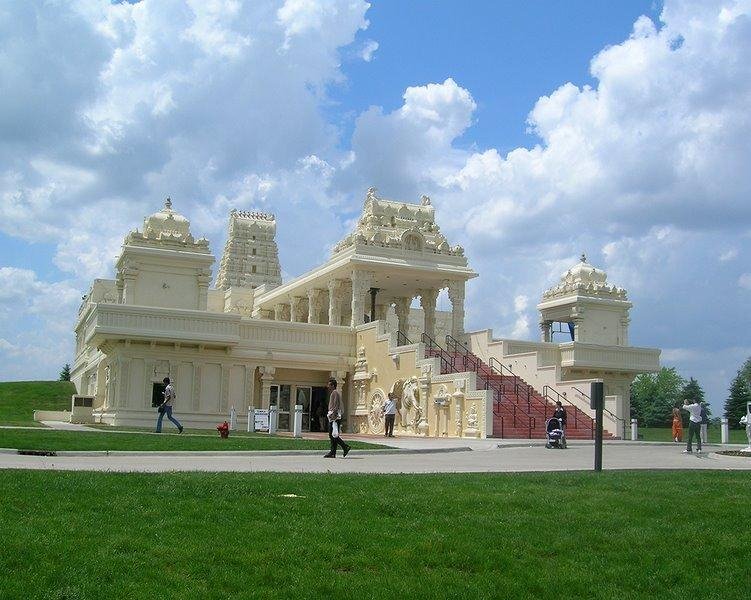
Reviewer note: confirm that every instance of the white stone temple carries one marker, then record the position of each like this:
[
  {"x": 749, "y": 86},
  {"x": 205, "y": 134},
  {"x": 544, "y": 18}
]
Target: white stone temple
[{"x": 253, "y": 341}]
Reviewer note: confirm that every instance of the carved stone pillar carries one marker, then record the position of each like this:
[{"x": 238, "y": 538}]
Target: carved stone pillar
[
  {"x": 624, "y": 331},
  {"x": 361, "y": 281},
  {"x": 545, "y": 327},
  {"x": 458, "y": 398},
  {"x": 224, "y": 394},
  {"x": 128, "y": 275},
  {"x": 314, "y": 305},
  {"x": 250, "y": 387},
  {"x": 278, "y": 312},
  {"x": 204, "y": 280},
  {"x": 402, "y": 314},
  {"x": 197, "y": 385},
  {"x": 424, "y": 381},
  {"x": 456, "y": 295},
  {"x": 295, "y": 309},
  {"x": 427, "y": 302},
  {"x": 335, "y": 301},
  {"x": 267, "y": 378}
]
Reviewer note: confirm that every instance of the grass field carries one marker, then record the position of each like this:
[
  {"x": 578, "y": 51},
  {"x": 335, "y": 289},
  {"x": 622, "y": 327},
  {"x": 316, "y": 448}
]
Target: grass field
[
  {"x": 19, "y": 399},
  {"x": 52, "y": 440},
  {"x": 564, "y": 535},
  {"x": 665, "y": 434}
]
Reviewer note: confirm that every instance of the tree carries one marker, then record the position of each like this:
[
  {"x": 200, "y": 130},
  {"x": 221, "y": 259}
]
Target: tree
[
  {"x": 692, "y": 390},
  {"x": 65, "y": 373},
  {"x": 653, "y": 396},
  {"x": 740, "y": 394},
  {"x": 746, "y": 370}
]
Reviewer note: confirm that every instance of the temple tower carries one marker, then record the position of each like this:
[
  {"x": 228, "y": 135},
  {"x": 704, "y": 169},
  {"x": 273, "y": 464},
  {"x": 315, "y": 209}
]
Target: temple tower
[
  {"x": 595, "y": 312},
  {"x": 250, "y": 257}
]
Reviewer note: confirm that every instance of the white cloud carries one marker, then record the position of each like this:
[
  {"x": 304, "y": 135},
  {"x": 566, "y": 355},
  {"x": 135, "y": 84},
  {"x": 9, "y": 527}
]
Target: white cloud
[
  {"x": 745, "y": 281},
  {"x": 729, "y": 255},
  {"x": 368, "y": 50}
]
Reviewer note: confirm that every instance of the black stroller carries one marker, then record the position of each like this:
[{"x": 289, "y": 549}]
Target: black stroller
[{"x": 555, "y": 434}]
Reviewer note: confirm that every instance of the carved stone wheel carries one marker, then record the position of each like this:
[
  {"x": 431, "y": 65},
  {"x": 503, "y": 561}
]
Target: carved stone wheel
[{"x": 376, "y": 420}]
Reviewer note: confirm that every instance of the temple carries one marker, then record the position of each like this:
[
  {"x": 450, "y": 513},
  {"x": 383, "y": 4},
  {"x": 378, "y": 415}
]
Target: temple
[{"x": 367, "y": 317}]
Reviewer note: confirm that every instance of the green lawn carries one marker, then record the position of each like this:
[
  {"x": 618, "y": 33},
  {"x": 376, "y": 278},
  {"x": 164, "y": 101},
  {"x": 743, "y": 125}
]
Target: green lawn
[
  {"x": 665, "y": 434},
  {"x": 561, "y": 535},
  {"x": 51, "y": 439},
  {"x": 19, "y": 399}
]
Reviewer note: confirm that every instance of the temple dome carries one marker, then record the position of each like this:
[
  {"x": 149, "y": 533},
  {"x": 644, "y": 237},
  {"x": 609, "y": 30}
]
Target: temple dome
[
  {"x": 166, "y": 224},
  {"x": 586, "y": 280}
]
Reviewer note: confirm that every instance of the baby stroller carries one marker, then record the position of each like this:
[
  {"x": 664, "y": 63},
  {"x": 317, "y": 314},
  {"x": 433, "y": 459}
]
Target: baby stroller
[{"x": 554, "y": 433}]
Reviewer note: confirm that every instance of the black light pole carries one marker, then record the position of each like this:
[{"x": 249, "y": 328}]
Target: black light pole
[
  {"x": 373, "y": 292},
  {"x": 597, "y": 401}
]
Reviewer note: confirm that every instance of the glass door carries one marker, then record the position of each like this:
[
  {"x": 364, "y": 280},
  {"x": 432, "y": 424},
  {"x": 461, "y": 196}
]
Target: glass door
[
  {"x": 284, "y": 407},
  {"x": 303, "y": 399}
]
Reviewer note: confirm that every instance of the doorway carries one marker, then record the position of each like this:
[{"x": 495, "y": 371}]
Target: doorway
[
  {"x": 157, "y": 394},
  {"x": 318, "y": 408}
]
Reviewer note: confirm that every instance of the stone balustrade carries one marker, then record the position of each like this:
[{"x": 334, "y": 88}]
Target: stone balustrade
[{"x": 626, "y": 358}]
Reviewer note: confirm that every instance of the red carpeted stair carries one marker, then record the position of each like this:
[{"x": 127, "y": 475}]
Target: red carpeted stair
[{"x": 519, "y": 411}]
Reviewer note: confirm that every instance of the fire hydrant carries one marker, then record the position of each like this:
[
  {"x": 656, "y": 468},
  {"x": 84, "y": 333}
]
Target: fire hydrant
[{"x": 223, "y": 429}]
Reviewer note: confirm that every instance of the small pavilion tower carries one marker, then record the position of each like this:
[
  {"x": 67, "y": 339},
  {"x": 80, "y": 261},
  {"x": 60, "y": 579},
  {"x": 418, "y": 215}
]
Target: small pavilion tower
[
  {"x": 164, "y": 266},
  {"x": 250, "y": 257},
  {"x": 596, "y": 313}
]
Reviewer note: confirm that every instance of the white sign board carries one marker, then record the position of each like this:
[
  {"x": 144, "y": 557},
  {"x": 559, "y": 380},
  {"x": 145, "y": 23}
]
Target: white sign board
[{"x": 261, "y": 419}]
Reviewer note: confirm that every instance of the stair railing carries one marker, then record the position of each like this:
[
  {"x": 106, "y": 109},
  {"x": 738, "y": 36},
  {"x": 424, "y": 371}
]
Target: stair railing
[
  {"x": 402, "y": 339},
  {"x": 434, "y": 348},
  {"x": 458, "y": 350},
  {"x": 606, "y": 411},
  {"x": 553, "y": 396}
]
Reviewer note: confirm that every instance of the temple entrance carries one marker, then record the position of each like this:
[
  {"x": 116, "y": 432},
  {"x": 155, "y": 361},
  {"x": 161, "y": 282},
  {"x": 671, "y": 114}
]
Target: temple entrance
[
  {"x": 318, "y": 409},
  {"x": 314, "y": 402}
]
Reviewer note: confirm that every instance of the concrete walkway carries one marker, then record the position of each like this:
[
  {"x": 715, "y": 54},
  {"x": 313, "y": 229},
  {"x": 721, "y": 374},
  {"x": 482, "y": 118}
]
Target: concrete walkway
[{"x": 416, "y": 456}]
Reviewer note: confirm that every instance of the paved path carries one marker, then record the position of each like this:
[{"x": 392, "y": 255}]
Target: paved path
[{"x": 440, "y": 456}]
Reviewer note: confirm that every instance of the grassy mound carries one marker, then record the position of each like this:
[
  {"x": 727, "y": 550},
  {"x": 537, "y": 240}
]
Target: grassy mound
[
  {"x": 19, "y": 399},
  {"x": 617, "y": 535}
]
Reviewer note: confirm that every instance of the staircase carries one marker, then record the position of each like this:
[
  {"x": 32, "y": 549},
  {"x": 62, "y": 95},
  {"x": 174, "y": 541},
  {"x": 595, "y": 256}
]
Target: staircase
[{"x": 519, "y": 411}]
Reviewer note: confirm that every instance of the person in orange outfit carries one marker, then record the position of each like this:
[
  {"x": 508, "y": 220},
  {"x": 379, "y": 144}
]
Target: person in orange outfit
[{"x": 677, "y": 425}]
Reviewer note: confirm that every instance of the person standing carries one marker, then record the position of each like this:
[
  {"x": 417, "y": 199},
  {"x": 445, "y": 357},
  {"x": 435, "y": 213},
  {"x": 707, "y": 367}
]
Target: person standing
[
  {"x": 335, "y": 419},
  {"x": 694, "y": 424},
  {"x": 704, "y": 422},
  {"x": 165, "y": 408},
  {"x": 677, "y": 425},
  {"x": 560, "y": 414},
  {"x": 389, "y": 411}
]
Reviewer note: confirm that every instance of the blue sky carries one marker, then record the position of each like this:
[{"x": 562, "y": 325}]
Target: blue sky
[{"x": 539, "y": 129}]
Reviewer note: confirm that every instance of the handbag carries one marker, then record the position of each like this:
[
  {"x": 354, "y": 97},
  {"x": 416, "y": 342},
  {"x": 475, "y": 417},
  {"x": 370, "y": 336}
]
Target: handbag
[{"x": 334, "y": 429}]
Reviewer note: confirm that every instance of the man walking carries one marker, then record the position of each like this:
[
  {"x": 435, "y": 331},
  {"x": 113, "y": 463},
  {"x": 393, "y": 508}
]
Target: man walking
[
  {"x": 694, "y": 424},
  {"x": 165, "y": 408},
  {"x": 704, "y": 422},
  {"x": 389, "y": 411},
  {"x": 335, "y": 418}
]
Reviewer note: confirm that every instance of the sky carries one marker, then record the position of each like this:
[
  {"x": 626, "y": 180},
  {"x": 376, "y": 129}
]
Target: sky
[{"x": 540, "y": 130}]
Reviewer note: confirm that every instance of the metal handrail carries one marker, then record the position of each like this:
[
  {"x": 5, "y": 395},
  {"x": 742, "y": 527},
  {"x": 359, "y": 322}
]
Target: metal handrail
[
  {"x": 605, "y": 410},
  {"x": 402, "y": 339},
  {"x": 445, "y": 357},
  {"x": 562, "y": 398}
]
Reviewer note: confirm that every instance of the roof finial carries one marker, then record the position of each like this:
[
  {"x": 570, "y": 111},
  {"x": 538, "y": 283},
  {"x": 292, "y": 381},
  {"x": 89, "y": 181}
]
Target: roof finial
[
  {"x": 583, "y": 257},
  {"x": 168, "y": 203}
]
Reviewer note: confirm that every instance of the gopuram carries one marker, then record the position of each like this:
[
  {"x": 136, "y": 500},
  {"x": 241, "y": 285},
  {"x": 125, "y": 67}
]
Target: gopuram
[{"x": 367, "y": 317}]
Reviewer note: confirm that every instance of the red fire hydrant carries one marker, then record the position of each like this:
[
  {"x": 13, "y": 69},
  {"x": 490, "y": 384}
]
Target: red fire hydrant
[{"x": 223, "y": 429}]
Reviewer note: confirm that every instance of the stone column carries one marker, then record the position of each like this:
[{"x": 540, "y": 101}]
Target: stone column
[
  {"x": 545, "y": 331},
  {"x": 402, "y": 315},
  {"x": 295, "y": 309},
  {"x": 456, "y": 295},
  {"x": 361, "y": 281},
  {"x": 427, "y": 302},
  {"x": 335, "y": 306},
  {"x": 129, "y": 273},
  {"x": 267, "y": 378},
  {"x": 424, "y": 381},
  {"x": 314, "y": 305},
  {"x": 204, "y": 280},
  {"x": 278, "y": 312},
  {"x": 624, "y": 330}
]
